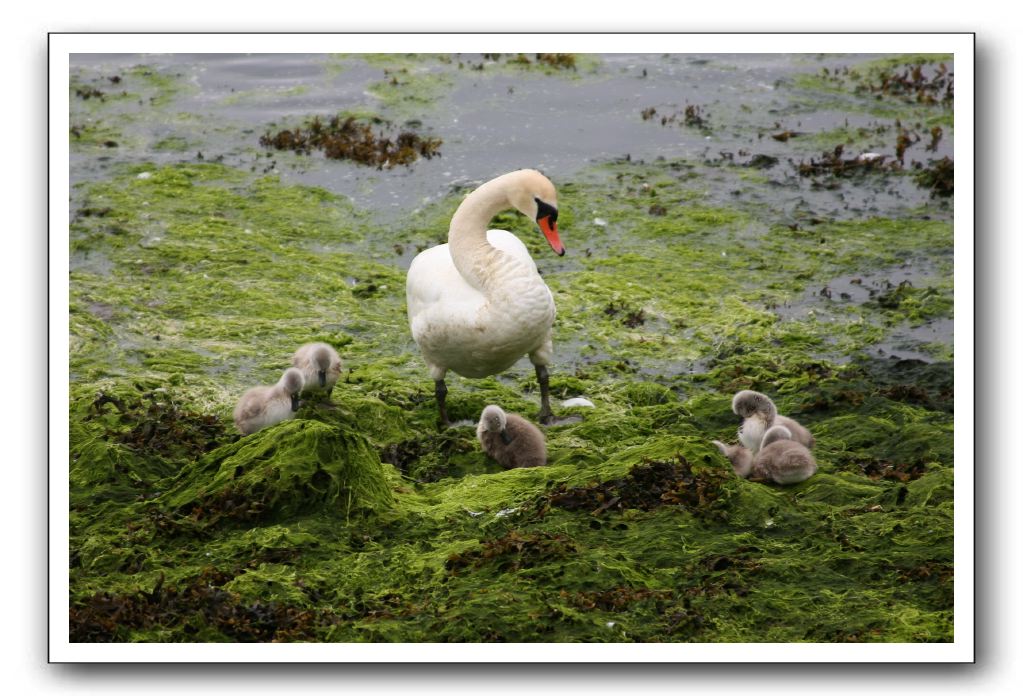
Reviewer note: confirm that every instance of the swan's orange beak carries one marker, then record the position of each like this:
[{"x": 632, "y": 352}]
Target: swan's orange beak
[{"x": 550, "y": 230}]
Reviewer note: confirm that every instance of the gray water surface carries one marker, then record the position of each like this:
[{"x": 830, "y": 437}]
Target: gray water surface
[{"x": 491, "y": 121}]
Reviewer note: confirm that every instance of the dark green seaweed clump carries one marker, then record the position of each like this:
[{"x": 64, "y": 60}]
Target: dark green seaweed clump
[
  {"x": 152, "y": 423},
  {"x": 89, "y": 93},
  {"x": 834, "y": 164},
  {"x": 562, "y": 61},
  {"x": 913, "y": 83},
  {"x": 646, "y": 486},
  {"x": 514, "y": 551},
  {"x": 629, "y": 317},
  {"x": 352, "y": 139},
  {"x": 692, "y": 116},
  {"x": 201, "y": 610},
  {"x": 557, "y": 61},
  {"x": 938, "y": 177}
]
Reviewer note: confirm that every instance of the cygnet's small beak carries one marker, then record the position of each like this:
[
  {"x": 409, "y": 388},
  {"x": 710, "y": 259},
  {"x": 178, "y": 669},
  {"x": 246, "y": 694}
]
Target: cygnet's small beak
[
  {"x": 505, "y": 437},
  {"x": 323, "y": 378},
  {"x": 294, "y": 401}
]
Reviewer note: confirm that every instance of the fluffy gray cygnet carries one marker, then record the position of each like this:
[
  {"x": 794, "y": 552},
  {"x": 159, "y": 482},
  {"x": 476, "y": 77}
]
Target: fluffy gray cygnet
[
  {"x": 759, "y": 415},
  {"x": 510, "y": 439},
  {"x": 320, "y": 365},
  {"x": 261, "y": 407},
  {"x": 780, "y": 458}
]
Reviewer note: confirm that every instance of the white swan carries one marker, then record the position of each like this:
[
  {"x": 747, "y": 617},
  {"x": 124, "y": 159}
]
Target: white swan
[{"x": 477, "y": 303}]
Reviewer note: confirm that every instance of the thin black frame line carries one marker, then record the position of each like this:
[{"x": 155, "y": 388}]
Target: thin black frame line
[{"x": 973, "y": 645}]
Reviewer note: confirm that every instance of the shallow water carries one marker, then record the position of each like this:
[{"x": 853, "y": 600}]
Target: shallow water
[{"x": 494, "y": 120}]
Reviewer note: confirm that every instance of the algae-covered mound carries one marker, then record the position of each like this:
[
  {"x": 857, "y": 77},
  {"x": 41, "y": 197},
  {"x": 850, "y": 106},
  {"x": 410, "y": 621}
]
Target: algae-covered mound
[{"x": 296, "y": 466}]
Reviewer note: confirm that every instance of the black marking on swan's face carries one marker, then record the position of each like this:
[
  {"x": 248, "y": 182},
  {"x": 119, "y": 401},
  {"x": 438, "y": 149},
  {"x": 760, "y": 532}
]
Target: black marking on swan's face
[
  {"x": 545, "y": 210},
  {"x": 547, "y": 220},
  {"x": 294, "y": 401},
  {"x": 322, "y": 374}
]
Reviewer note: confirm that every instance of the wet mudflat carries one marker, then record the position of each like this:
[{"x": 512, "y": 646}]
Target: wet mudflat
[{"x": 777, "y": 223}]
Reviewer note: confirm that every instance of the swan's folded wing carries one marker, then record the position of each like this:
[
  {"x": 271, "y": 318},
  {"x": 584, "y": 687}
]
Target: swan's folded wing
[
  {"x": 434, "y": 283},
  {"x": 512, "y": 245}
]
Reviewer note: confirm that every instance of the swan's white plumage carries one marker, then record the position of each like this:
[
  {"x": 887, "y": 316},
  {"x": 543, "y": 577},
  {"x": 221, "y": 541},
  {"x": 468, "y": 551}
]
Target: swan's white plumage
[
  {"x": 478, "y": 316},
  {"x": 457, "y": 328}
]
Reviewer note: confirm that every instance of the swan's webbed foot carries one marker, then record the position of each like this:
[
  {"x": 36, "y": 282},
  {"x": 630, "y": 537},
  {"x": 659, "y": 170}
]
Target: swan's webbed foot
[
  {"x": 440, "y": 390},
  {"x": 546, "y": 416}
]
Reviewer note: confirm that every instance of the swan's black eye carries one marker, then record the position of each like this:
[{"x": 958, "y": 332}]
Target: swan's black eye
[{"x": 545, "y": 210}]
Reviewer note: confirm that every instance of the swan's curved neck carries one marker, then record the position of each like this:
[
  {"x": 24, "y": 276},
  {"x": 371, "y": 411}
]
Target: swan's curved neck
[{"x": 472, "y": 254}]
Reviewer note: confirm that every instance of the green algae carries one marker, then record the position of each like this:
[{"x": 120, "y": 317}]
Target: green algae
[
  {"x": 853, "y": 89},
  {"x": 359, "y": 521},
  {"x": 414, "y": 84},
  {"x": 159, "y": 87},
  {"x": 410, "y": 91},
  {"x": 94, "y": 136},
  {"x": 114, "y": 96},
  {"x": 296, "y": 466},
  {"x": 174, "y": 143},
  {"x": 569, "y": 65},
  {"x": 261, "y": 95},
  {"x": 712, "y": 256},
  {"x": 906, "y": 59}
]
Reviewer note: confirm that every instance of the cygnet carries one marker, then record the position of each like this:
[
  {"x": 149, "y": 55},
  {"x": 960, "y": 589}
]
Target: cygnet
[
  {"x": 320, "y": 365},
  {"x": 759, "y": 414},
  {"x": 510, "y": 439},
  {"x": 261, "y": 407},
  {"x": 780, "y": 458}
]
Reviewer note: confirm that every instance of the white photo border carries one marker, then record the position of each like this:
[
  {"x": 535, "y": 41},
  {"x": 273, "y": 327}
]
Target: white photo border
[{"x": 961, "y": 45}]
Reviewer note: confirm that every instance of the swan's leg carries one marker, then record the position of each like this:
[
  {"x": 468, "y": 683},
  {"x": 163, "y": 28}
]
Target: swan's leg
[
  {"x": 540, "y": 358},
  {"x": 440, "y": 390},
  {"x": 546, "y": 415}
]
